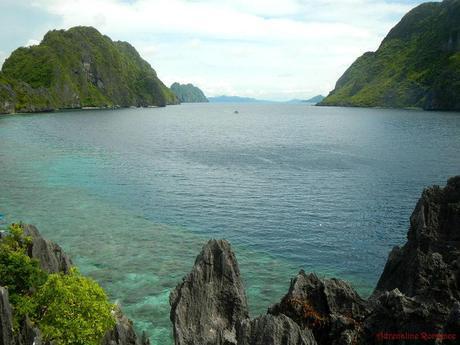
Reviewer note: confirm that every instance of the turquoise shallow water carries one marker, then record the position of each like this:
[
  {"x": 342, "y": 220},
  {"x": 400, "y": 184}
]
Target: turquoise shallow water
[{"x": 133, "y": 194}]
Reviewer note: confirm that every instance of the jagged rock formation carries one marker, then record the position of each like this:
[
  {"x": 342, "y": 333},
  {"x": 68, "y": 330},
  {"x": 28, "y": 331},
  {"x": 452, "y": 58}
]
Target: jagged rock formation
[
  {"x": 207, "y": 305},
  {"x": 395, "y": 313},
  {"x": 273, "y": 330},
  {"x": 329, "y": 307},
  {"x": 27, "y": 334},
  {"x": 50, "y": 256},
  {"x": 417, "y": 64},
  {"x": 123, "y": 333},
  {"x": 419, "y": 289},
  {"x": 76, "y": 68},
  {"x": 428, "y": 263},
  {"x": 188, "y": 93},
  {"x": 416, "y": 300},
  {"x": 6, "y": 318},
  {"x": 53, "y": 259}
]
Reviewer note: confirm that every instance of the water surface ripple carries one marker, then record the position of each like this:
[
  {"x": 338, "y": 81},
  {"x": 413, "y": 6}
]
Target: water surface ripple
[{"x": 133, "y": 194}]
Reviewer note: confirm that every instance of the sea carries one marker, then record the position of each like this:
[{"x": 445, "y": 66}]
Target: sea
[{"x": 133, "y": 194}]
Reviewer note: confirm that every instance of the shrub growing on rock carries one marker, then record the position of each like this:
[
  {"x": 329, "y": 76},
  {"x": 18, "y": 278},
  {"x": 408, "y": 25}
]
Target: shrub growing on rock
[
  {"x": 67, "y": 308},
  {"x": 73, "y": 309},
  {"x": 18, "y": 272}
]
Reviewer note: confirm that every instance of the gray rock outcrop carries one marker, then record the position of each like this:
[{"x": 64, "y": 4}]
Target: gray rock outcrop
[
  {"x": 329, "y": 307},
  {"x": 273, "y": 330},
  {"x": 209, "y": 307},
  {"x": 396, "y": 313},
  {"x": 419, "y": 289},
  {"x": 50, "y": 256},
  {"x": 30, "y": 335},
  {"x": 27, "y": 334},
  {"x": 6, "y": 318},
  {"x": 208, "y": 304},
  {"x": 416, "y": 300},
  {"x": 124, "y": 334},
  {"x": 428, "y": 264}
]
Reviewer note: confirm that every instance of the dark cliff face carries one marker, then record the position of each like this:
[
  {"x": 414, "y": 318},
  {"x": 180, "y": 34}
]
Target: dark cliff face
[
  {"x": 417, "y": 64},
  {"x": 27, "y": 334},
  {"x": 419, "y": 288},
  {"x": 6, "y": 318},
  {"x": 428, "y": 264},
  {"x": 123, "y": 333},
  {"x": 53, "y": 259},
  {"x": 417, "y": 294},
  {"x": 329, "y": 307},
  {"x": 78, "y": 68}
]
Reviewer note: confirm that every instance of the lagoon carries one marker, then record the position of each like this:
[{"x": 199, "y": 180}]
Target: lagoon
[{"x": 133, "y": 194}]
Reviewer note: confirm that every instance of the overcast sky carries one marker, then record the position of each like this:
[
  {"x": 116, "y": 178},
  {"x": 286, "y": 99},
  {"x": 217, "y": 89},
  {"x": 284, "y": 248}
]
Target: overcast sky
[{"x": 269, "y": 49}]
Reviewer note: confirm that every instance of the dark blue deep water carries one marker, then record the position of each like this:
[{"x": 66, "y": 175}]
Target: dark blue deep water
[{"x": 133, "y": 194}]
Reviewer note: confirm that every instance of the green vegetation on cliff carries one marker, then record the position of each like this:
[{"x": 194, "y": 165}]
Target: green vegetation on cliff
[
  {"x": 67, "y": 308},
  {"x": 78, "y": 68},
  {"x": 18, "y": 96},
  {"x": 417, "y": 64},
  {"x": 188, "y": 93},
  {"x": 18, "y": 272},
  {"x": 73, "y": 310}
]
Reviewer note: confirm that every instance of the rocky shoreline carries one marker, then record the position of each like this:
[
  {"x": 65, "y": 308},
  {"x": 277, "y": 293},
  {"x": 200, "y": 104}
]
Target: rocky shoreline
[
  {"x": 53, "y": 259},
  {"x": 416, "y": 300},
  {"x": 57, "y": 110}
]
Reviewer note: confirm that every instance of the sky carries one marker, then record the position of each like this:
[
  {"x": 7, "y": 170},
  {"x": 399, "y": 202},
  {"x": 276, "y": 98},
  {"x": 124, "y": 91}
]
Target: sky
[{"x": 267, "y": 49}]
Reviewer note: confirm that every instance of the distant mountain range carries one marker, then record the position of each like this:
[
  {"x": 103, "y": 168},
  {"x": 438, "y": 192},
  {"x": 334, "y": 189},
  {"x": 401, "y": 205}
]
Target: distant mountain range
[
  {"x": 313, "y": 100},
  {"x": 79, "y": 68},
  {"x": 237, "y": 99},
  {"x": 416, "y": 66},
  {"x": 188, "y": 93}
]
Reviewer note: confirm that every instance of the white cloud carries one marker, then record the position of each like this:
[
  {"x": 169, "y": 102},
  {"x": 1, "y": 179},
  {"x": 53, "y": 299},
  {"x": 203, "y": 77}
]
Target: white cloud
[
  {"x": 247, "y": 47},
  {"x": 148, "y": 51},
  {"x": 32, "y": 42},
  {"x": 208, "y": 19}
]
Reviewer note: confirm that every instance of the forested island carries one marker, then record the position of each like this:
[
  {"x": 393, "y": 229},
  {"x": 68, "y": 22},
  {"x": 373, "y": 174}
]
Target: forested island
[
  {"x": 188, "y": 93},
  {"x": 79, "y": 68}
]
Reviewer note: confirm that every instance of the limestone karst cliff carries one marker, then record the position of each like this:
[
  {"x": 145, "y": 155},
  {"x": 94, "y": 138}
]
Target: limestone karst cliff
[
  {"x": 188, "y": 93},
  {"x": 77, "y": 68},
  {"x": 416, "y": 65}
]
